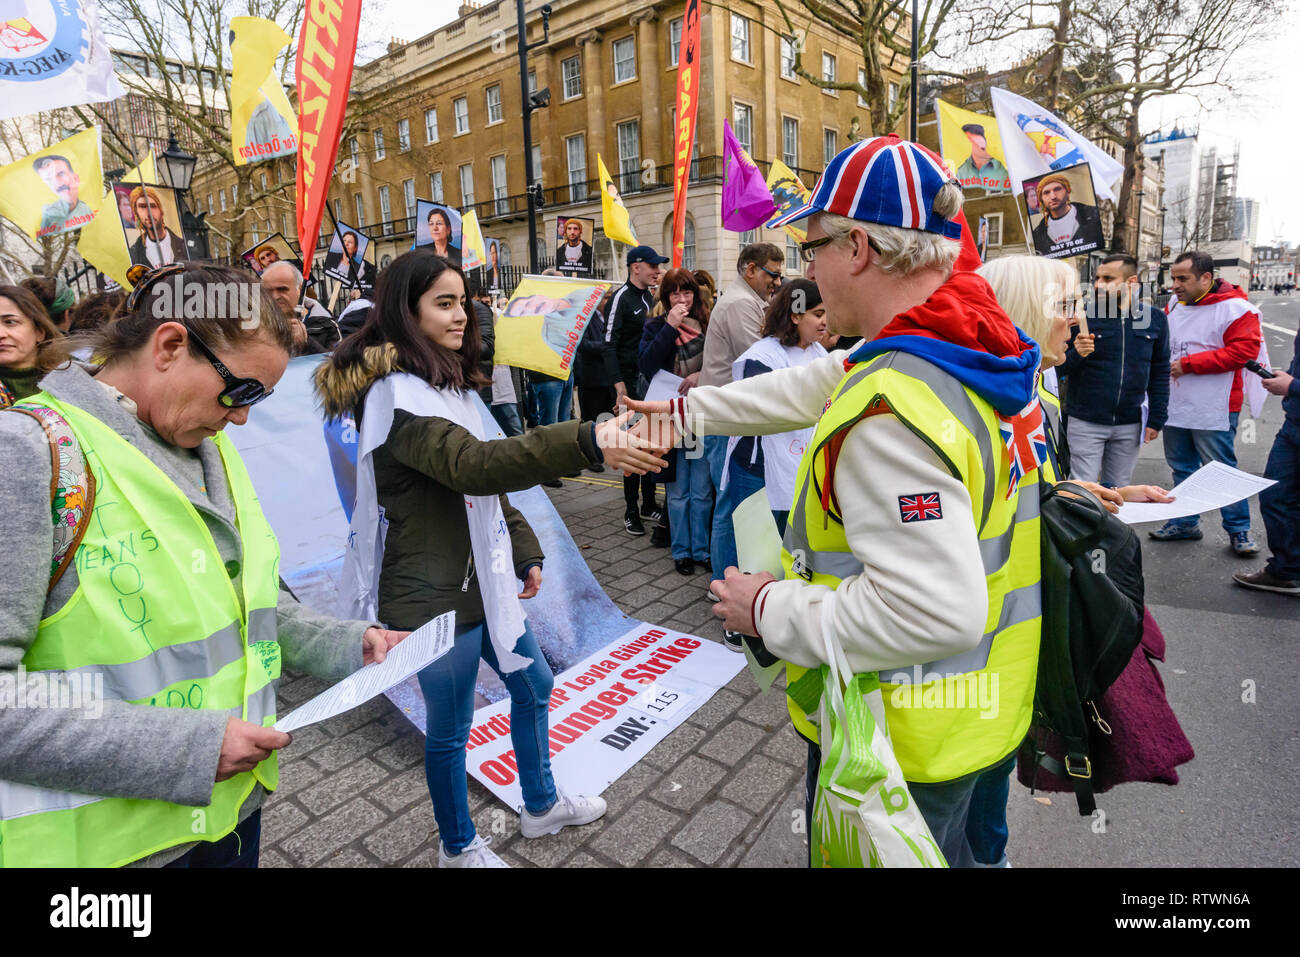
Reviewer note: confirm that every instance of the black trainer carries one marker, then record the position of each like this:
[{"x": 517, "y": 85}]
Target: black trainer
[
  {"x": 632, "y": 522},
  {"x": 652, "y": 512},
  {"x": 660, "y": 537}
]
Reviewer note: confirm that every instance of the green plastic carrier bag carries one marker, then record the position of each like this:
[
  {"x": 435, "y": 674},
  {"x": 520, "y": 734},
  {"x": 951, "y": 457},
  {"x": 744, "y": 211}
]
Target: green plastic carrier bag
[{"x": 863, "y": 814}]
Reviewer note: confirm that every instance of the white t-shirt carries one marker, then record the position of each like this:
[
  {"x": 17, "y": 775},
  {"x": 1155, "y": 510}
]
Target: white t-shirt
[{"x": 1059, "y": 230}]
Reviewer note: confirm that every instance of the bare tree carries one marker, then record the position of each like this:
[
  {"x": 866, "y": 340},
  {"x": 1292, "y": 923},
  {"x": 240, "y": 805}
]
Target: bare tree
[{"x": 882, "y": 30}]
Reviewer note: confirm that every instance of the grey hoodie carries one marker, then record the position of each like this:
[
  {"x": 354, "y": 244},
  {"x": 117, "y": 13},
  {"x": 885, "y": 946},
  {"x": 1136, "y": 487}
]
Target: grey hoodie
[{"x": 130, "y": 750}]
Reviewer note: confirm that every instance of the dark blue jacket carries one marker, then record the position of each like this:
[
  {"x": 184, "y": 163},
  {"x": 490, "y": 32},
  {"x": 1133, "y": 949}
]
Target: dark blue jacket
[
  {"x": 1291, "y": 401},
  {"x": 1131, "y": 361}
]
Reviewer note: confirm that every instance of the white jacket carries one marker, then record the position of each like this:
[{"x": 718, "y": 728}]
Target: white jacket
[{"x": 921, "y": 595}]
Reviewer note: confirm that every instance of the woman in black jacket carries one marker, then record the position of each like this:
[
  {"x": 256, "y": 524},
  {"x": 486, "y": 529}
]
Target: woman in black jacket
[
  {"x": 673, "y": 341},
  {"x": 407, "y": 376}
]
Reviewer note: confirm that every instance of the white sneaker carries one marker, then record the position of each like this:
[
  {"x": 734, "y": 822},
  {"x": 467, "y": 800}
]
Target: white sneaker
[
  {"x": 476, "y": 854},
  {"x": 567, "y": 810}
]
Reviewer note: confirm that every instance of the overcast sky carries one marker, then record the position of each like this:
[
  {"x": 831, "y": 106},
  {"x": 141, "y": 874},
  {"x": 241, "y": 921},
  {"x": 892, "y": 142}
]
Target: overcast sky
[{"x": 1263, "y": 120}]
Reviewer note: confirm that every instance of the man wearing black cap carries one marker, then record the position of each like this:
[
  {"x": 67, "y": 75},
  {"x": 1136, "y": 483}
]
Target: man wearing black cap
[{"x": 631, "y": 304}]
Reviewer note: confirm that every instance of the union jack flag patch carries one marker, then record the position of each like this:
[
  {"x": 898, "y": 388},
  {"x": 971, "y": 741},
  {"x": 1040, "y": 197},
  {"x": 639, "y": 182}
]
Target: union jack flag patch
[{"x": 921, "y": 507}]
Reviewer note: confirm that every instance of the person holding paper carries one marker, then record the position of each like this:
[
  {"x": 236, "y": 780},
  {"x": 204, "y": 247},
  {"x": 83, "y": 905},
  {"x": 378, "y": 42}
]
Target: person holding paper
[
  {"x": 1213, "y": 332},
  {"x": 450, "y": 540},
  {"x": 1042, "y": 297},
  {"x": 1280, "y": 504},
  {"x": 1116, "y": 363},
  {"x": 168, "y": 758},
  {"x": 673, "y": 341}
]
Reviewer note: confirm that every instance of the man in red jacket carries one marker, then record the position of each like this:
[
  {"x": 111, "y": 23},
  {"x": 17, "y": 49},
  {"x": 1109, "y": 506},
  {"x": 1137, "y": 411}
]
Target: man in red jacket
[{"x": 1213, "y": 332}]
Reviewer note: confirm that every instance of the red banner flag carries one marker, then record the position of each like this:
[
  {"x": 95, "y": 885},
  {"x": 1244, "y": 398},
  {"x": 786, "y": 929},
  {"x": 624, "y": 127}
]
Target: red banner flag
[
  {"x": 688, "y": 101},
  {"x": 326, "y": 50}
]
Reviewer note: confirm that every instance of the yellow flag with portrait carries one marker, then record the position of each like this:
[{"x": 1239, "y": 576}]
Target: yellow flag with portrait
[
  {"x": 262, "y": 123},
  {"x": 56, "y": 190},
  {"x": 617, "y": 220}
]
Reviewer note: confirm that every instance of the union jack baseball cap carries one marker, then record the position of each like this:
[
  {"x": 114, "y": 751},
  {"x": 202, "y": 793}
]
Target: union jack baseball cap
[{"x": 883, "y": 180}]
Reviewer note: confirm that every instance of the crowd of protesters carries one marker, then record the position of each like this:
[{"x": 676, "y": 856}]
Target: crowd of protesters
[{"x": 754, "y": 363}]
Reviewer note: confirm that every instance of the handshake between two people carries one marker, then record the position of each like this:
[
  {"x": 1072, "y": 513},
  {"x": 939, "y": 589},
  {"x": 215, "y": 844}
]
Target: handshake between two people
[{"x": 636, "y": 441}]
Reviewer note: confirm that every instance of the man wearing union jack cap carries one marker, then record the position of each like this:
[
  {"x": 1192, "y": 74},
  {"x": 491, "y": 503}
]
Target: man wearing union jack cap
[{"x": 905, "y": 509}]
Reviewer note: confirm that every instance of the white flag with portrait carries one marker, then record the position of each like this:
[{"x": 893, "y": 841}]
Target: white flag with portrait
[
  {"x": 53, "y": 54},
  {"x": 1037, "y": 141}
]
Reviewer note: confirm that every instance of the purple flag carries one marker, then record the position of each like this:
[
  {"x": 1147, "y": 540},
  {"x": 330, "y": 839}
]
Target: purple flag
[{"x": 746, "y": 200}]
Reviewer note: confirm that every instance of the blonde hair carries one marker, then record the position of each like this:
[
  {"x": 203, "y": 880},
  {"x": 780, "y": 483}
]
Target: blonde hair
[
  {"x": 1029, "y": 288},
  {"x": 907, "y": 251}
]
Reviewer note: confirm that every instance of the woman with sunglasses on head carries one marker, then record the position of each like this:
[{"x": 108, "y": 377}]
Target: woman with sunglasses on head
[
  {"x": 30, "y": 344},
  {"x": 453, "y": 543},
  {"x": 150, "y": 599}
]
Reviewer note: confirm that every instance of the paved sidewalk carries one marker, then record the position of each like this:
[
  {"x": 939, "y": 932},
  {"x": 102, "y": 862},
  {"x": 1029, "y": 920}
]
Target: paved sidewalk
[{"x": 724, "y": 789}]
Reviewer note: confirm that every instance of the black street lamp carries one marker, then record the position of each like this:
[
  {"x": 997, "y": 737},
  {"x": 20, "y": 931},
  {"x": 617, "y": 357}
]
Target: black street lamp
[
  {"x": 531, "y": 101},
  {"x": 176, "y": 169}
]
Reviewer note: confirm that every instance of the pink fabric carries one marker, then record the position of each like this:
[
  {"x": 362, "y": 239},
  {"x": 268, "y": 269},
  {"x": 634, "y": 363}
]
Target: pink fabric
[
  {"x": 746, "y": 200},
  {"x": 1146, "y": 741}
]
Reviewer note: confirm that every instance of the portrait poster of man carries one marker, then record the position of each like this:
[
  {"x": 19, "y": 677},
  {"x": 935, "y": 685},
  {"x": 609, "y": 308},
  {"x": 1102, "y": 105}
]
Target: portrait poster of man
[
  {"x": 438, "y": 226},
  {"x": 982, "y": 238},
  {"x": 153, "y": 231},
  {"x": 542, "y": 324},
  {"x": 273, "y": 249},
  {"x": 1069, "y": 223},
  {"x": 788, "y": 192},
  {"x": 573, "y": 254},
  {"x": 971, "y": 145},
  {"x": 350, "y": 244},
  {"x": 492, "y": 271}
]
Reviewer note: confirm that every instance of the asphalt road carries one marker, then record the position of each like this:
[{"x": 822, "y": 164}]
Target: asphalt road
[{"x": 1232, "y": 674}]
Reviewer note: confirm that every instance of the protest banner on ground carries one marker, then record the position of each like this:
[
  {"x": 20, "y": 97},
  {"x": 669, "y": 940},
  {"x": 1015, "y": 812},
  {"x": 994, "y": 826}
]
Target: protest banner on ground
[
  {"x": 542, "y": 324},
  {"x": 608, "y": 711},
  {"x": 54, "y": 190},
  {"x": 53, "y": 54},
  {"x": 288, "y": 456}
]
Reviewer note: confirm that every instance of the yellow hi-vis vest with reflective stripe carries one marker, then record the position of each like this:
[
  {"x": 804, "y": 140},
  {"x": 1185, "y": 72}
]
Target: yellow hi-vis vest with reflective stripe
[
  {"x": 155, "y": 613},
  {"x": 936, "y": 725}
]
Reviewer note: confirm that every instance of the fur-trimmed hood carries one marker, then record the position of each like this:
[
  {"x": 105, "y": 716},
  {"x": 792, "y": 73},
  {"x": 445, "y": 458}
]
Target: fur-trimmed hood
[{"x": 340, "y": 389}]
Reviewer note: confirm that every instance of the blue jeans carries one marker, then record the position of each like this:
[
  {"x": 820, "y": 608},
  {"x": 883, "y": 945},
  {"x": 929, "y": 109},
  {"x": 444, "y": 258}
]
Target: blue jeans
[
  {"x": 741, "y": 484},
  {"x": 1280, "y": 503},
  {"x": 566, "y": 401},
  {"x": 547, "y": 397},
  {"x": 722, "y": 542},
  {"x": 1186, "y": 450},
  {"x": 448, "y": 685},
  {"x": 507, "y": 416},
  {"x": 690, "y": 502},
  {"x": 240, "y": 848}
]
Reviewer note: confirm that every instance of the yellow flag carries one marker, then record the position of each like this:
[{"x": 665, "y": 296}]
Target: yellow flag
[
  {"x": 146, "y": 172},
  {"x": 103, "y": 244},
  {"x": 262, "y": 124},
  {"x": 972, "y": 148},
  {"x": 55, "y": 190},
  {"x": 617, "y": 221},
  {"x": 542, "y": 324},
  {"x": 788, "y": 192},
  {"x": 472, "y": 252}
]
